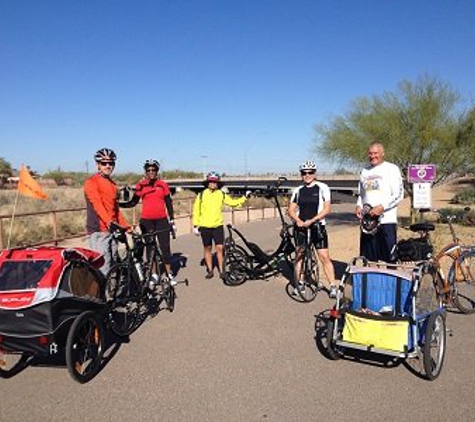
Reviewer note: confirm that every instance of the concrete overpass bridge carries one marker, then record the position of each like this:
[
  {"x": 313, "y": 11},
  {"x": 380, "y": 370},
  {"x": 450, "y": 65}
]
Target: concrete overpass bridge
[{"x": 342, "y": 186}]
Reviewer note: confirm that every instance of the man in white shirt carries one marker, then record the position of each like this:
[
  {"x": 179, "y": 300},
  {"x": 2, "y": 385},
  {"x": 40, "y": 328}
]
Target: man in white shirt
[{"x": 381, "y": 187}]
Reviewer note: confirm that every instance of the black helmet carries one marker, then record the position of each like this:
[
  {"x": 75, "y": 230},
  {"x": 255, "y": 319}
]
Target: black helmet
[
  {"x": 151, "y": 163},
  {"x": 105, "y": 154},
  {"x": 369, "y": 224}
]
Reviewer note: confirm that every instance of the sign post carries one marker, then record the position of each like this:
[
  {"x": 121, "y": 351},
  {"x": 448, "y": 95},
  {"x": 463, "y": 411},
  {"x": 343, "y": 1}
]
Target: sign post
[{"x": 422, "y": 176}]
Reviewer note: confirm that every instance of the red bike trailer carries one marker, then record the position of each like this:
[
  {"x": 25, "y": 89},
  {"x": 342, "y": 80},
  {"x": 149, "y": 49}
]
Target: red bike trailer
[{"x": 52, "y": 301}]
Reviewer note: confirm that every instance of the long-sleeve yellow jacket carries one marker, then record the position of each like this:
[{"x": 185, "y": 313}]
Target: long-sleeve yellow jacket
[{"x": 208, "y": 207}]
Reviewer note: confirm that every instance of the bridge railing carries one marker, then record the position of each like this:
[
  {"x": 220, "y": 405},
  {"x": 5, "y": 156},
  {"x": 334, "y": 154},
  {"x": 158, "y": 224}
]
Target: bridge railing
[{"x": 53, "y": 221}]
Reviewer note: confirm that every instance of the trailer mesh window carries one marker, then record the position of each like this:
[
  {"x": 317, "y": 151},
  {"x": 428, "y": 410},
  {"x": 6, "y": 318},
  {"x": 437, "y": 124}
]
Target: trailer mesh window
[{"x": 22, "y": 275}]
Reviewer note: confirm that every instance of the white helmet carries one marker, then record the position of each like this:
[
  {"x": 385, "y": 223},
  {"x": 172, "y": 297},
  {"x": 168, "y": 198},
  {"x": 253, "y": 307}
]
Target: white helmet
[
  {"x": 308, "y": 165},
  {"x": 151, "y": 163}
]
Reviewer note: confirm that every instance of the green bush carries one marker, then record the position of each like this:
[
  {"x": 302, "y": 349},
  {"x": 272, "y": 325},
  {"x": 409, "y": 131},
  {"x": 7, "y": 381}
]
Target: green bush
[
  {"x": 464, "y": 216},
  {"x": 466, "y": 197}
]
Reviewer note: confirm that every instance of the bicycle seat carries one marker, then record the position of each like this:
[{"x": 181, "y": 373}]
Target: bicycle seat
[{"x": 422, "y": 227}]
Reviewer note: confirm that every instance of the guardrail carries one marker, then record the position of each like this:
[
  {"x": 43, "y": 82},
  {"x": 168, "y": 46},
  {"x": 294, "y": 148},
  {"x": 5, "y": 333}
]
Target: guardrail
[{"x": 184, "y": 220}]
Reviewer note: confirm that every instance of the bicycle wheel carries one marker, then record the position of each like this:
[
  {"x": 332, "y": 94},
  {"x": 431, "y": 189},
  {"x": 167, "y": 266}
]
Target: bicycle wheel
[
  {"x": 462, "y": 275},
  {"x": 154, "y": 265},
  {"x": 169, "y": 296},
  {"x": 236, "y": 262},
  {"x": 12, "y": 363},
  {"x": 124, "y": 301},
  {"x": 434, "y": 345},
  {"x": 307, "y": 276},
  {"x": 85, "y": 346}
]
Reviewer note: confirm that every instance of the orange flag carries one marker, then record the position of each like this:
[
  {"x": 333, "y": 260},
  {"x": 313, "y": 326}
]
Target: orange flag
[{"x": 29, "y": 186}]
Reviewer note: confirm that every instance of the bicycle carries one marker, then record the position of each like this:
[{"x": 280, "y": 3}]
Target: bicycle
[
  {"x": 458, "y": 288},
  {"x": 154, "y": 266},
  {"x": 307, "y": 275},
  {"x": 249, "y": 261},
  {"x": 128, "y": 281}
]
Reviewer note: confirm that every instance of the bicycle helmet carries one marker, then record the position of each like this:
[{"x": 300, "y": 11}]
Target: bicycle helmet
[
  {"x": 151, "y": 163},
  {"x": 213, "y": 177},
  {"x": 369, "y": 224},
  {"x": 105, "y": 154},
  {"x": 308, "y": 165}
]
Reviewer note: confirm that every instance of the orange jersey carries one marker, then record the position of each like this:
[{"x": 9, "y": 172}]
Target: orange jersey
[{"x": 101, "y": 202}]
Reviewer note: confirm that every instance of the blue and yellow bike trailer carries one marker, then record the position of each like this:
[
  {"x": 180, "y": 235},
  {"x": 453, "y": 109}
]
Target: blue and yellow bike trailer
[{"x": 389, "y": 309}]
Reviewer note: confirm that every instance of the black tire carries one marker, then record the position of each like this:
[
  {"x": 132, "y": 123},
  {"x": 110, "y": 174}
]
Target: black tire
[
  {"x": 236, "y": 263},
  {"x": 12, "y": 363},
  {"x": 169, "y": 296},
  {"x": 464, "y": 282},
  {"x": 159, "y": 269},
  {"x": 123, "y": 299},
  {"x": 307, "y": 279},
  {"x": 434, "y": 345},
  {"x": 85, "y": 347},
  {"x": 332, "y": 350}
]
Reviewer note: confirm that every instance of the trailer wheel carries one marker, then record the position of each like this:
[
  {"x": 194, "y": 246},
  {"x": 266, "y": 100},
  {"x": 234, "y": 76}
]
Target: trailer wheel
[
  {"x": 434, "y": 345},
  {"x": 12, "y": 363},
  {"x": 85, "y": 347}
]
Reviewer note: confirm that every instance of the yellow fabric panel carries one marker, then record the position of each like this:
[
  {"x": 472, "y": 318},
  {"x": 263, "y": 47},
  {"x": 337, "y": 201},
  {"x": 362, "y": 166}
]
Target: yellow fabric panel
[{"x": 381, "y": 334}]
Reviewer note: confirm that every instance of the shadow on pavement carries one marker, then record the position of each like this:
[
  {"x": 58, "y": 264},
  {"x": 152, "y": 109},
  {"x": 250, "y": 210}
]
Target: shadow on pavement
[{"x": 367, "y": 358}]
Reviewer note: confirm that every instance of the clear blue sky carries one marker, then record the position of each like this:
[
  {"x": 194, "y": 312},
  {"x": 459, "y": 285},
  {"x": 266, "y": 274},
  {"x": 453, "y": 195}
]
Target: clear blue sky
[{"x": 241, "y": 82}]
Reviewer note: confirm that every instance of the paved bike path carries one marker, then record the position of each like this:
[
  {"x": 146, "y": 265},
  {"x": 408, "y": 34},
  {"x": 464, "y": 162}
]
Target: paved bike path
[{"x": 244, "y": 354}]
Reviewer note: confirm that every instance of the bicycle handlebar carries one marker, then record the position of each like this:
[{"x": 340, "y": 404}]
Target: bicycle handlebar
[{"x": 449, "y": 219}]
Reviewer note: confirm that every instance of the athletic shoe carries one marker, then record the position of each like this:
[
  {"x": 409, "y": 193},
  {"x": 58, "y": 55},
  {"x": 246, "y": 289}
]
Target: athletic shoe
[
  {"x": 300, "y": 287},
  {"x": 154, "y": 281},
  {"x": 209, "y": 275},
  {"x": 172, "y": 280}
]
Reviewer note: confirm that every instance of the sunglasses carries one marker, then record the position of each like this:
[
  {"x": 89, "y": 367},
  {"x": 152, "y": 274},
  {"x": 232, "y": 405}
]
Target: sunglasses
[
  {"x": 107, "y": 163},
  {"x": 306, "y": 173},
  {"x": 152, "y": 170}
]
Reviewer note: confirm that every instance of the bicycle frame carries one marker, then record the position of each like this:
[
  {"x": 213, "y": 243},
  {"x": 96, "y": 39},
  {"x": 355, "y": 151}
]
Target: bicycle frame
[
  {"x": 259, "y": 264},
  {"x": 306, "y": 271},
  {"x": 457, "y": 271},
  {"x": 154, "y": 254}
]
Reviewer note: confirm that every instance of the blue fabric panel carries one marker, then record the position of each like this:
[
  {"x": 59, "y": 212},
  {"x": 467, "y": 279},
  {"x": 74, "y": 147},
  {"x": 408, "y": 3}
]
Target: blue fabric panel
[{"x": 380, "y": 291}]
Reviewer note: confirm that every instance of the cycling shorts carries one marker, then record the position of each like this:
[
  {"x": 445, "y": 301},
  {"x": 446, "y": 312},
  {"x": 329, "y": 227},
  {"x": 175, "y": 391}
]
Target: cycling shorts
[
  {"x": 319, "y": 236},
  {"x": 208, "y": 235}
]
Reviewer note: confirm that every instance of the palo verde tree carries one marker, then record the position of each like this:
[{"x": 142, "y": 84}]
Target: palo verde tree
[
  {"x": 420, "y": 123},
  {"x": 5, "y": 171}
]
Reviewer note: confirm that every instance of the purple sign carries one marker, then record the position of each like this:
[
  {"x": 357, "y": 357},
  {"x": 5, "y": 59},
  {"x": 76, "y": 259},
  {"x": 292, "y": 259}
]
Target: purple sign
[{"x": 421, "y": 173}]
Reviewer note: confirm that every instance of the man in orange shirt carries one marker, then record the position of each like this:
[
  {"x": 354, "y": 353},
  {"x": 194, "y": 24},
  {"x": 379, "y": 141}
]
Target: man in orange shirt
[{"x": 102, "y": 207}]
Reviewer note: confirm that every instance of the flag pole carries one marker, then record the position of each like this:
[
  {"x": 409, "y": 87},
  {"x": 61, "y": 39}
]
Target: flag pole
[{"x": 12, "y": 219}]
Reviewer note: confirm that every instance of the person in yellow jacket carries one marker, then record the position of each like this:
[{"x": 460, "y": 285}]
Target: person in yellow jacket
[{"x": 208, "y": 219}]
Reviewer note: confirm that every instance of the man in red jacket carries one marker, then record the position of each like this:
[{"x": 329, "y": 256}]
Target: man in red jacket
[{"x": 102, "y": 207}]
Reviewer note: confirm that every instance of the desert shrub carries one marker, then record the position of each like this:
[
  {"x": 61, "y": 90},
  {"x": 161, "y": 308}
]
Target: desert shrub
[
  {"x": 463, "y": 216},
  {"x": 470, "y": 218},
  {"x": 466, "y": 197},
  {"x": 127, "y": 178},
  {"x": 181, "y": 174},
  {"x": 458, "y": 212}
]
